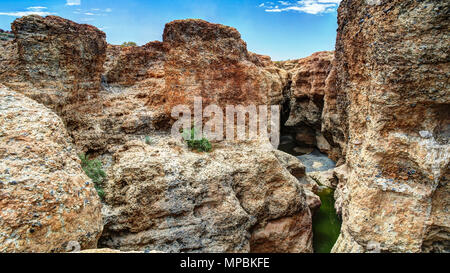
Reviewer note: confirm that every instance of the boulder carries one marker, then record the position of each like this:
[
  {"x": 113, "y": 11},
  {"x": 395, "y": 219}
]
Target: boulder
[
  {"x": 237, "y": 198},
  {"x": 47, "y": 201},
  {"x": 57, "y": 61}
]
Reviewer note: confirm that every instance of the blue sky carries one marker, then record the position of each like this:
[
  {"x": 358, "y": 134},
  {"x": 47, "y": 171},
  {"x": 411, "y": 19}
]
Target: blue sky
[{"x": 280, "y": 29}]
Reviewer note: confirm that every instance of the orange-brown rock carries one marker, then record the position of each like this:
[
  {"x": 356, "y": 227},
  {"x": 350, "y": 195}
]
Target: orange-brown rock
[
  {"x": 140, "y": 84},
  {"x": 163, "y": 196},
  {"x": 59, "y": 60},
  {"x": 126, "y": 66},
  {"x": 304, "y": 98},
  {"x": 308, "y": 88},
  {"x": 392, "y": 71}
]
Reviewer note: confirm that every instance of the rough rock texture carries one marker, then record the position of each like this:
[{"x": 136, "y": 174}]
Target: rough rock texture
[
  {"x": 304, "y": 98},
  {"x": 238, "y": 198},
  {"x": 196, "y": 58},
  {"x": 308, "y": 89},
  {"x": 392, "y": 70},
  {"x": 62, "y": 65},
  {"x": 59, "y": 61},
  {"x": 46, "y": 199},
  {"x": 125, "y": 66},
  {"x": 212, "y": 61},
  {"x": 297, "y": 169},
  {"x": 334, "y": 118}
]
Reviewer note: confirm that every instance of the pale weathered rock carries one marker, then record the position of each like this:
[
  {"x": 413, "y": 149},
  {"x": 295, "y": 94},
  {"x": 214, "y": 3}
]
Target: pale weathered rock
[
  {"x": 324, "y": 178},
  {"x": 303, "y": 150},
  {"x": 392, "y": 71},
  {"x": 322, "y": 143},
  {"x": 111, "y": 251},
  {"x": 167, "y": 198},
  {"x": 341, "y": 193},
  {"x": 46, "y": 199},
  {"x": 334, "y": 118},
  {"x": 297, "y": 169},
  {"x": 291, "y": 163}
]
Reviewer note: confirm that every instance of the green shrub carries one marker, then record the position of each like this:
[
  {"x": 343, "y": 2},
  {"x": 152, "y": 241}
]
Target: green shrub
[
  {"x": 94, "y": 170},
  {"x": 148, "y": 140},
  {"x": 125, "y": 44},
  {"x": 201, "y": 145}
]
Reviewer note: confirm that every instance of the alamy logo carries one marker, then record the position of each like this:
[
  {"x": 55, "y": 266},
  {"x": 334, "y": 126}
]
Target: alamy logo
[{"x": 239, "y": 122}]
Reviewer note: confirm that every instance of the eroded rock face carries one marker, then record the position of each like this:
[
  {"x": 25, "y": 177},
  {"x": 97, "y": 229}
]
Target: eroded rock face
[
  {"x": 308, "y": 89},
  {"x": 140, "y": 85},
  {"x": 59, "y": 61},
  {"x": 304, "y": 100},
  {"x": 46, "y": 199},
  {"x": 125, "y": 66},
  {"x": 334, "y": 118},
  {"x": 238, "y": 198},
  {"x": 392, "y": 70},
  {"x": 195, "y": 59},
  {"x": 224, "y": 74}
]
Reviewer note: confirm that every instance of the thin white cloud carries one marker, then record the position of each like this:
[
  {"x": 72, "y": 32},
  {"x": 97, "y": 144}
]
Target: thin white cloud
[
  {"x": 36, "y": 8},
  {"x": 108, "y": 10},
  {"x": 25, "y": 13},
  {"x": 31, "y": 10},
  {"x": 305, "y": 6},
  {"x": 73, "y": 2}
]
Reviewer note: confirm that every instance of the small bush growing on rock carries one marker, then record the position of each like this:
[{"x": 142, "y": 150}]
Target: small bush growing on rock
[
  {"x": 94, "y": 170},
  {"x": 148, "y": 140},
  {"x": 125, "y": 44},
  {"x": 201, "y": 145}
]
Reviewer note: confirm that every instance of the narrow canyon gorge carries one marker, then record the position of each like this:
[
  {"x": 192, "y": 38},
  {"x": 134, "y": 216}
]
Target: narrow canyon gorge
[{"x": 362, "y": 165}]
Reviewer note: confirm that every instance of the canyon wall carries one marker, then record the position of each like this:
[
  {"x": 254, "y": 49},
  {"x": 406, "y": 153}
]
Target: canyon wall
[
  {"x": 160, "y": 195},
  {"x": 304, "y": 100},
  {"x": 378, "y": 105},
  {"x": 391, "y": 100}
]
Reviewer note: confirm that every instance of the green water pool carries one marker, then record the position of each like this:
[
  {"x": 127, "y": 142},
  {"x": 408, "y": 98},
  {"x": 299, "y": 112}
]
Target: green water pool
[{"x": 326, "y": 223}]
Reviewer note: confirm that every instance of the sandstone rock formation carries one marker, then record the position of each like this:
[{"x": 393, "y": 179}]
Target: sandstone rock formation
[
  {"x": 379, "y": 106},
  {"x": 238, "y": 198},
  {"x": 392, "y": 91},
  {"x": 59, "y": 59},
  {"x": 196, "y": 58},
  {"x": 46, "y": 199},
  {"x": 140, "y": 84},
  {"x": 304, "y": 98}
]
